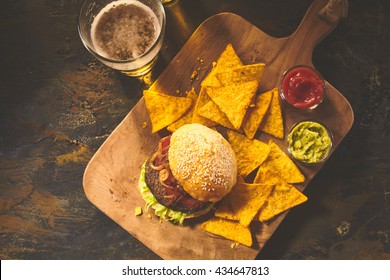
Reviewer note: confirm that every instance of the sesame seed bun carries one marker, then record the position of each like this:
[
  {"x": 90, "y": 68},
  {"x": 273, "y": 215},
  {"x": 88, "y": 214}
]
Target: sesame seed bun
[{"x": 203, "y": 162}]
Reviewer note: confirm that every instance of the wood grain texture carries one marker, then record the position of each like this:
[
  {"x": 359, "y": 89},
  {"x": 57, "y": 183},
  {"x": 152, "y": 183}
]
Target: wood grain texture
[{"x": 111, "y": 177}]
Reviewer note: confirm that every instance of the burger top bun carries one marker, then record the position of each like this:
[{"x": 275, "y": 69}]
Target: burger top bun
[{"x": 203, "y": 162}]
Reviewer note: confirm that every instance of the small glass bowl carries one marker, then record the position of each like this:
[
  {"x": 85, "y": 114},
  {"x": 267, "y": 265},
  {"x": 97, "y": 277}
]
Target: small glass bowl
[
  {"x": 304, "y": 81},
  {"x": 304, "y": 132}
]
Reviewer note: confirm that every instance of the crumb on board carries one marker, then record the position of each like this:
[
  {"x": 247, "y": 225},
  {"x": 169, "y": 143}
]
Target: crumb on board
[
  {"x": 234, "y": 245},
  {"x": 138, "y": 211},
  {"x": 194, "y": 75},
  {"x": 144, "y": 125},
  {"x": 343, "y": 228}
]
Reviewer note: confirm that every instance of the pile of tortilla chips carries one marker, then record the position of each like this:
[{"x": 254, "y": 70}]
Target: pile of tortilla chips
[
  {"x": 270, "y": 193},
  {"x": 229, "y": 97}
]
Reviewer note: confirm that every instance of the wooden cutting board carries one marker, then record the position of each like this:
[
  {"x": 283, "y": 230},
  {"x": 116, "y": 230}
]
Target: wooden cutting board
[{"x": 111, "y": 177}]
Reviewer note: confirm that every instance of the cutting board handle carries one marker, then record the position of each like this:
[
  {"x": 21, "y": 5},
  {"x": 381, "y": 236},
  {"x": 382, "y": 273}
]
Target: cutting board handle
[{"x": 320, "y": 19}]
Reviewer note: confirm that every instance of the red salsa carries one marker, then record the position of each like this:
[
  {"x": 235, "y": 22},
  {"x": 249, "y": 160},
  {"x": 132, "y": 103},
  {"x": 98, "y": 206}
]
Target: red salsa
[{"x": 303, "y": 87}]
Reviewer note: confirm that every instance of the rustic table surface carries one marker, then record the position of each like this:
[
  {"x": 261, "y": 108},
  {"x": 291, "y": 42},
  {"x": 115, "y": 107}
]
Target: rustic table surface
[{"x": 58, "y": 105}]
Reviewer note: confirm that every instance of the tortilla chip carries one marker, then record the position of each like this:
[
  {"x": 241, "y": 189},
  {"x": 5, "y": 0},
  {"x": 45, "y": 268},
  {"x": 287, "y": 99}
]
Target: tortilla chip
[
  {"x": 273, "y": 120},
  {"x": 212, "y": 112},
  {"x": 249, "y": 153},
  {"x": 279, "y": 163},
  {"x": 241, "y": 74},
  {"x": 265, "y": 176},
  {"x": 282, "y": 198},
  {"x": 187, "y": 117},
  {"x": 225, "y": 209},
  {"x": 227, "y": 59},
  {"x": 165, "y": 109},
  {"x": 256, "y": 114},
  {"x": 243, "y": 202},
  {"x": 203, "y": 98},
  {"x": 234, "y": 100},
  {"x": 229, "y": 229}
]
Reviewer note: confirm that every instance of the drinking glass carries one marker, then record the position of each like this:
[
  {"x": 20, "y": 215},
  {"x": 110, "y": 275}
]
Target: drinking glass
[{"x": 125, "y": 35}]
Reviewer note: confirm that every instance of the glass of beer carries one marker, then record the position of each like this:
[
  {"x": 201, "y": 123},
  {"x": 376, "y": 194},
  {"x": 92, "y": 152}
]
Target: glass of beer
[{"x": 125, "y": 35}]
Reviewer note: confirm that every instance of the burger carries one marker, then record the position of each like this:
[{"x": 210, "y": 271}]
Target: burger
[{"x": 187, "y": 173}]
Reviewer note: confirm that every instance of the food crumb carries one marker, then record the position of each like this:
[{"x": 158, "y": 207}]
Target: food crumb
[
  {"x": 343, "y": 228},
  {"x": 234, "y": 245},
  {"x": 144, "y": 125},
  {"x": 149, "y": 216},
  {"x": 194, "y": 75},
  {"x": 138, "y": 211}
]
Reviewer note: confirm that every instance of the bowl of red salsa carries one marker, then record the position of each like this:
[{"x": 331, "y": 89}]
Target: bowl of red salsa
[{"x": 302, "y": 87}]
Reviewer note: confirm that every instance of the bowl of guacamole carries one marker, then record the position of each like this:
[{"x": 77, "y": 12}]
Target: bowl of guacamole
[{"x": 309, "y": 142}]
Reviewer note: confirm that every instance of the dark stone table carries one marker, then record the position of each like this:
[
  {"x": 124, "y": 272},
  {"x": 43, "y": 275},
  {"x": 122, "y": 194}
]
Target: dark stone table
[{"x": 58, "y": 105}]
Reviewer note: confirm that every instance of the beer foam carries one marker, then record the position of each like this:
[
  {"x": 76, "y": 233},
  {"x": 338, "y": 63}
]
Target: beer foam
[{"x": 116, "y": 34}]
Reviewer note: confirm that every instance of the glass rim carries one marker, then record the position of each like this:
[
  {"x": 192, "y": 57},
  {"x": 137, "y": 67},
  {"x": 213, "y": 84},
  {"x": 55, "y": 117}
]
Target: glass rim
[{"x": 99, "y": 56}]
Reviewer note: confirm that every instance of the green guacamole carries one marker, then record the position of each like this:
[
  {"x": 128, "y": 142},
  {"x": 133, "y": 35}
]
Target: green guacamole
[{"x": 309, "y": 142}]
